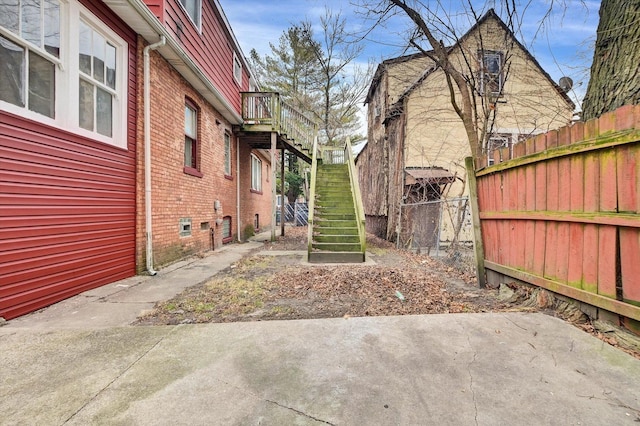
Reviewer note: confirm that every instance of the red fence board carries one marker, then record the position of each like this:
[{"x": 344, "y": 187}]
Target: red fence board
[{"x": 586, "y": 180}]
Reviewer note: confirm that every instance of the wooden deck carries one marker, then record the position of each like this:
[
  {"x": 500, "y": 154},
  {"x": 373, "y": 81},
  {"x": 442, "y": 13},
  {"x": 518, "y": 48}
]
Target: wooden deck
[{"x": 264, "y": 113}]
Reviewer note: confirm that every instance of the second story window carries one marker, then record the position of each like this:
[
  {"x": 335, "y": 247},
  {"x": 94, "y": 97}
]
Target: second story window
[
  {"x": 256, "y": 174},
  {"x": 190, "y": 136},
  {"x": 194, "y": 10},
  {"x": 237, "y": 69},
  {"x": 227, "y": 154},
  {"x": 491, "y": 76}
]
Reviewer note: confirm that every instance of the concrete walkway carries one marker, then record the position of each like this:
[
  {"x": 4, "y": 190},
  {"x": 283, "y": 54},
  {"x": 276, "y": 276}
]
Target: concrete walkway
[{"x": 78, "y": 363}]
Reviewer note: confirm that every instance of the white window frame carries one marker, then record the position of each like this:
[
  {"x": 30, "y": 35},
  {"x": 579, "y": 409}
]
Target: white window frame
[
  {"x": 497, "y": 142},
  {"x": 196, "y": 21},
  {"x": 67, "y": 77},
  {"x": 237, "y": 69},
  {"x": 483, "y": 72},
  {"x": 256, "y": 173}
]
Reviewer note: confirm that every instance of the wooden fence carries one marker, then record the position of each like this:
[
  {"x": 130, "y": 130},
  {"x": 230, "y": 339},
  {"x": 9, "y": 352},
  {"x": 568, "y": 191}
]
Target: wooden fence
[{"x": 564, "y": 213}]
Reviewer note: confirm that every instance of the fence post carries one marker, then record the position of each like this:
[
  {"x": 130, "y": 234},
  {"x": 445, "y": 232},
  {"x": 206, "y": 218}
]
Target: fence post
[{"x": 475, "y": 218}]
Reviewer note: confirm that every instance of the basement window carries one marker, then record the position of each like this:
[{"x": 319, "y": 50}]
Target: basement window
[
  {"x": 185, "y": 227},
  {"x": 226, "y": 229}
]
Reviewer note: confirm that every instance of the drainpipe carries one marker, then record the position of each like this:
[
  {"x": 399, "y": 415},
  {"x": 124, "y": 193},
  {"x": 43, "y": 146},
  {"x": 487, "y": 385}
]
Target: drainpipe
[
  {"x": 147, "y": 154},
  {"x": 238, "y": 189}
]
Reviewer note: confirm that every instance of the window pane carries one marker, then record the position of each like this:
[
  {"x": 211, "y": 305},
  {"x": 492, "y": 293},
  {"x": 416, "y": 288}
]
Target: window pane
[
  {"x": 227, "y": 154},
  {"x": 99, "y": 46},
  {"x": 188, "y": 151},
  {"x": 52, "y": 27},
  {"x": 193, "y": 9},
  {"x": 9, "y": 15},
  {"x": 85, "y": 48},
  {"x": 41, "y": 85},
  {"x": 104, "y": 109},
  {"x": 31, "y": 22},
  {"x": 190, "y": 122},
  {"x": 11, "y": 72},
  {"x": 111, "y": 66},
  {"x": 492, "y": 63},
  {"x": 86, "y": 105}
]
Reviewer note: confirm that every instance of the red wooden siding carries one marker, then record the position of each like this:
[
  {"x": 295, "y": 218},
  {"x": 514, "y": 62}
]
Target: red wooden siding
[
  {"x": 211, "y": 48},
  {"x": 566, "y": 213},
  {"x": 67, "y": 205}
]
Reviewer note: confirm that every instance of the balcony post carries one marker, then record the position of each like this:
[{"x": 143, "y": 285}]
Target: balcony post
[
  {"x": 274, "y": 138},
  {"x": 282, "y": 194}
]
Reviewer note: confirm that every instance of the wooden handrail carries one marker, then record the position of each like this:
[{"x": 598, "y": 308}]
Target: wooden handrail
[
  {"x": 312, "y": 194},
  {"x": 357, "y": 196}
]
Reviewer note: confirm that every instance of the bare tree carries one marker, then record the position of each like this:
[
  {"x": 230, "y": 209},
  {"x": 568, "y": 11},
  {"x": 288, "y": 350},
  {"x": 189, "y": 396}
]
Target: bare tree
[
  {"x": 341, "y": 83},
  {"x": 615, "y": 74}
]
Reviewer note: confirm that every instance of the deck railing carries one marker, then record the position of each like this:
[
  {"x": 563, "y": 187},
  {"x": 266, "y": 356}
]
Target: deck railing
[
  {"x": 268, "y": 109},
  {"x": 357, "y": 196}
]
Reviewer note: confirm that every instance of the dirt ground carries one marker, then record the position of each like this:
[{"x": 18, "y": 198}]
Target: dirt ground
[{"x": 275, "y": 283}]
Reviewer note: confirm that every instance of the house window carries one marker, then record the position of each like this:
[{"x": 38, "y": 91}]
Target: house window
[
  {"x": 237, "y": 69},
  {"x": 29, "y": 53},
  {"x": 256, "y": 173},
  {"x": 193, "y": 9},
  {"x": 227, "y": 154},
  {"x": 256, "y": 222},
  {"x": 97, "y": 82},
  {"x": 491, "y": 76},
  {"x": 226, "y": 229},
  {"x": 190, "y": 136},
  {"x": 41, "y": 80},
  {"x": 498, "y": 142}
]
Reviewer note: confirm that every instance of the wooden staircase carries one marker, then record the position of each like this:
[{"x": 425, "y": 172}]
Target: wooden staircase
[{"x": 337, "y": 228}]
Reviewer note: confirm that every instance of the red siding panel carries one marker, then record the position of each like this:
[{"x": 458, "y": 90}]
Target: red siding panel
[
  {"x": 211, "y": 48},
  {"x": 67, "y": 205}
]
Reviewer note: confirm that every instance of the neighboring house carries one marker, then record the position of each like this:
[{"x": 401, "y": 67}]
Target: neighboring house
[
  {"x": 417, "y": 143},
  {"x": 72, "y": 143}
]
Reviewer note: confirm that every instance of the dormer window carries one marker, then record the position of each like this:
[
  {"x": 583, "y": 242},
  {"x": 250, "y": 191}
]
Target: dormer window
[
  {"x": 491, "y": 76},
  {"x": 194, "y": 10}
]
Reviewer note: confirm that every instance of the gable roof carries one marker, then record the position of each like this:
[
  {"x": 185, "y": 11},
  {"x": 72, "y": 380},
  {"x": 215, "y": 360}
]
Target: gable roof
[{"x": 491, "y": 14}]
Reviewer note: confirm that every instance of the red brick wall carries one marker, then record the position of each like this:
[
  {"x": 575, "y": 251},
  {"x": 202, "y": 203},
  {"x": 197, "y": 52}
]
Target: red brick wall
[
  {"x": 252, "y": 203},
  {"x": 176, "y": 194}
]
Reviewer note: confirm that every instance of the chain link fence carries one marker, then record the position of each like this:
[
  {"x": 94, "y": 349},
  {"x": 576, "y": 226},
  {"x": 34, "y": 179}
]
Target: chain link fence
[{"x": 439, "y": 228}]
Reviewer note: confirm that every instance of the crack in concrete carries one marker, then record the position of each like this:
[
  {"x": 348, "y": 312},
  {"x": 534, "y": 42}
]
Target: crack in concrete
[
  {"x": 473, "y": 393},
  {"x": 299, "y": 412},
  {"x": 248, "y": 392},
  {"x": 137, "y": 360}
]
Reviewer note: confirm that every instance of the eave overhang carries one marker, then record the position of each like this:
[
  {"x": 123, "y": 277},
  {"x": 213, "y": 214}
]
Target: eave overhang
[{"x": 137, "y": 15}]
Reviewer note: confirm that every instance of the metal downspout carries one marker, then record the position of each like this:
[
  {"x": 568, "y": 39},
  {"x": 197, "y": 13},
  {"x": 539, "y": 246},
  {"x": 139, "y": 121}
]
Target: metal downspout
[
  {"x": 238, "y": 189},
  {"x": 147, "y": 154}
]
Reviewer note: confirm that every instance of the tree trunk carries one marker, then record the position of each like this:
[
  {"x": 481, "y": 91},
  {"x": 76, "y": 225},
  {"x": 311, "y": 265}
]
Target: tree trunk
[{"x": 615, "y": 74}]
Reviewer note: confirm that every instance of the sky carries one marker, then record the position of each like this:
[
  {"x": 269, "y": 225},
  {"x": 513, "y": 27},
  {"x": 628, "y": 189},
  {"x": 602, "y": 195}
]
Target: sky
[{"x": 563, "y": 45}]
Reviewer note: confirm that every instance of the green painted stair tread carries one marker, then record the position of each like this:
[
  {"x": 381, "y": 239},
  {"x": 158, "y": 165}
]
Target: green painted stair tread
[
  {"x": 349, "y": 247},
  {"x": 336, "y": 257},
  {"x": 324, "y": 230},
  {"x": 338, "y": 239},
  {"x": 337, "y": 223}
]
